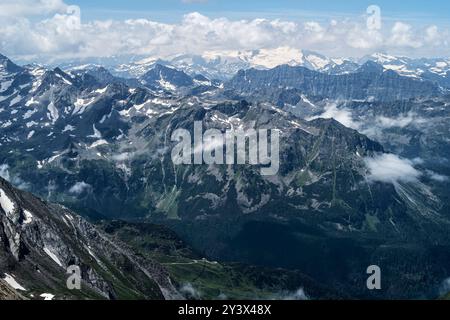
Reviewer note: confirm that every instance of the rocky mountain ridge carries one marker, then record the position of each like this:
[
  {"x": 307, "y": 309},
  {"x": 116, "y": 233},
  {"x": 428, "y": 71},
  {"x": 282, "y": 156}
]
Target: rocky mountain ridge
[{"x": 41, "y": 240}]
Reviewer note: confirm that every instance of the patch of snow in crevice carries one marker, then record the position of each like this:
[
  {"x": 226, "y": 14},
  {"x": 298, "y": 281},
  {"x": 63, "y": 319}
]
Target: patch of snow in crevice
[
  {"x": 64, "y": 79},
  {"x": 91, "y": 253},
  {"x": 81, "y": 105},
  {"x": 5, "y": 85},
  {"x": 7, "y": 124},
  {"x": 13, "y": 283},
  {"x": 53, "y": 158},
  {"x": 101, "y": 90},
  {"x": 96, "y": 134},
  {"x": 6, "y": 203},
  {"x": 52, "y": 256},
  {"x": 15, "y": 100},
  {"x": 30, "y": 102},
  {"x": 98, "y": 143},
  {"x": 28, "y": 217},
  {"x": 31, "y": 123},
  {"x": 47, "y": 296},
  {"x": 53, "y": 113},
  {"x": 68, "y": 128},
  {"x": 165, "y": 84},
  {"x": 29, "y": 113}
]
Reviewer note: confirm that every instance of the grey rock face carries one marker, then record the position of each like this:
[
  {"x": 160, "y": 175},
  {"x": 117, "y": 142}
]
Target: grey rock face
[
  {"x": 41, "y": 240},
  {"x": 102, "y": 147},
  {"x": 369, "y": 82}
]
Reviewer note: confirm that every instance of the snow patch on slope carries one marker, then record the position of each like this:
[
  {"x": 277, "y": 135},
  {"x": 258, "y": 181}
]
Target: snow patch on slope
[
  {"x": 52, "y": 256},
  {"x": 13, "y": 283},
  {"x": 28, "y": 217}
]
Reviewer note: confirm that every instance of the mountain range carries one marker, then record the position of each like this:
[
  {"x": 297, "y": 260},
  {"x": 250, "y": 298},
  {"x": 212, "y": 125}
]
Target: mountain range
[
  {"x": 363, "y": 174},
  {"x": 224, "y": 65}
]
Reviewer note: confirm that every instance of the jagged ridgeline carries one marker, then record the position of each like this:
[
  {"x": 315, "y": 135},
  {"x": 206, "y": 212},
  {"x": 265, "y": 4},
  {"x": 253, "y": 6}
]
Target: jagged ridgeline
[
  {"x": 100, "y": 143},
  {"x": 40, "y": 240}
]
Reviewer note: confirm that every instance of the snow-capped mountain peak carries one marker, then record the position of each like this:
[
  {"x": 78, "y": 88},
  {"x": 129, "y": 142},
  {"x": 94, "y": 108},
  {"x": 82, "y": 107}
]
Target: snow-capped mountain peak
[
  {"x": 410, "y": 67},
  {"x": 224, "y": 64}
]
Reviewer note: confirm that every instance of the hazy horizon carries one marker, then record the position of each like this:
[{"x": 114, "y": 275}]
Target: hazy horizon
[{"x": 55, "y": 30}]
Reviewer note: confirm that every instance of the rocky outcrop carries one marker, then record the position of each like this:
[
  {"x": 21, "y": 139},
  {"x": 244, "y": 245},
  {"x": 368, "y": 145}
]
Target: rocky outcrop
[
  {"x": 39, "y": 241},
  {"x": 369, "y": 81}
]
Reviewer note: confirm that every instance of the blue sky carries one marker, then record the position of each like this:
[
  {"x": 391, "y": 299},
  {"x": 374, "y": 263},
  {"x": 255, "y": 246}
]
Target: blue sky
[
  {"x": 43, "y": 30},
  {"x": 417, "y": 11}
]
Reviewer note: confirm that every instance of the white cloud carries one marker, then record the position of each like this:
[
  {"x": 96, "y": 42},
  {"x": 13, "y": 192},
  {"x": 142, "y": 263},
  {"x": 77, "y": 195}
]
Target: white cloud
[
  {"x": 14, "y": 179},
  {"x": 21, "y": 8},
  {"x": 80, "y": 187},
  {"x": 297, "y": 295},
  {"x": 122, "y": 156},
  {"x": 363, "y": 38},
  {"x": 4, "y": 172},
  {"x": 390, "y": 168},
  {"x": 342, "y": 115},
  {"x": 190, "y": 292},
  {"x": 436, "y": 176},
  {"x": 445, "y": 287},
  {"x": 374, "y": 129},
  {"x": 432, "y": 35},
  {"x": 51, "y": 29},
  {"x": 402, "y": 36},
  {"x": 400, "y": 121}
]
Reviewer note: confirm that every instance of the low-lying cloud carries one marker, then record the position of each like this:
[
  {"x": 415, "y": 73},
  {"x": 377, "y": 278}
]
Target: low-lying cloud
[
  {"x": 16, "y": 180},
  {"x": 189, "y": 291},
  {"x": 298, "y": 294},
  {"x": 436, "y": 176},
  {"x": 4, "y": 172},
  {"x": 400, "y": 121},
  {"x": 122, "y": 156},
  {"x": 80, "y": 187},
  {"x": 374, "y": 128},
  {"x": 342, "y": 115},
  {"x": 390, "y": 168},
  {"x": 445, "y": 287}
]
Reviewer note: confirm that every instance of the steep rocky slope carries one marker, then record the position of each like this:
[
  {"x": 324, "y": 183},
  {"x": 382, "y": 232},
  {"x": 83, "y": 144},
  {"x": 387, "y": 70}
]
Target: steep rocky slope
[
  {"x": 102, "y": 145},
  {"x": 370, "y": 81},
  {"x": 200, "y": 278},
  {"x": 39, "y": 241}
]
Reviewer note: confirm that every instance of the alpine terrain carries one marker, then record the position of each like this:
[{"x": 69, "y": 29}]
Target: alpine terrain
[{"x": 362, "y": 180}]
